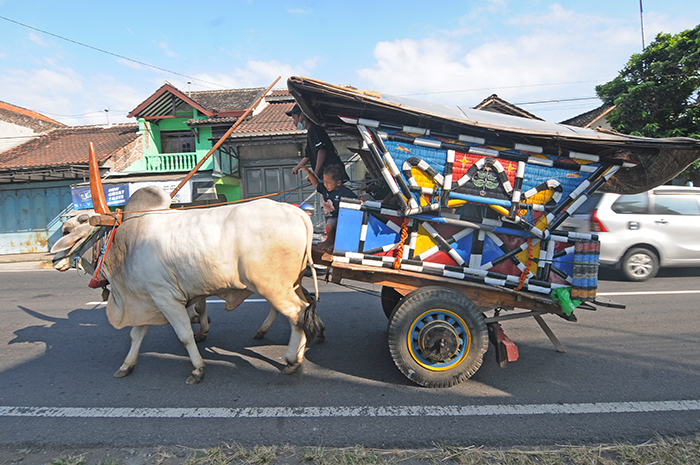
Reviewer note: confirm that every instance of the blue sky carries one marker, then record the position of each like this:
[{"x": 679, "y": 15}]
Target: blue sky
[{"x": 456, "y": 52}]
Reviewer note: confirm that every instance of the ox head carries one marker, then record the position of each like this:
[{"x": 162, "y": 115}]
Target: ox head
[{"x": 78, "y": 240}]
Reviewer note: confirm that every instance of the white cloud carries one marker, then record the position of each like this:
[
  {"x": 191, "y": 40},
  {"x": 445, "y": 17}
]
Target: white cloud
[
  {"x": 36, "y": 39},
  {"x": 300, "y": 11},
  {"x": 166, "y": 48},
  {"x": 543, "y": 53},
  {"x": 254, "y": 74}
]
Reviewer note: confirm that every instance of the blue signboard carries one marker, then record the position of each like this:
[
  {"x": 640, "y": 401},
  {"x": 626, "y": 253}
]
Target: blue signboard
[{"x": 116, "y": 194}]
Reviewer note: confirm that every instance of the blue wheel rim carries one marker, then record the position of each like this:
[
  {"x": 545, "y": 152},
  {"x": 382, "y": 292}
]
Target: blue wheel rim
[{"x": 460, "y": 328}]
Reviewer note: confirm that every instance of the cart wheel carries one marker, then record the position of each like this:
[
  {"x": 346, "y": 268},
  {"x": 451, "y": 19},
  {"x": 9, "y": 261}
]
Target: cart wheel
[
  {"x": 390, "y": 297},
  {"x": 437, "y": 337}
]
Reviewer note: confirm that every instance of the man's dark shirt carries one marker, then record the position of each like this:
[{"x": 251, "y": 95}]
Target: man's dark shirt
[
  {"x": 335, "y": 196},
  {"x": 316, "y": 139}
]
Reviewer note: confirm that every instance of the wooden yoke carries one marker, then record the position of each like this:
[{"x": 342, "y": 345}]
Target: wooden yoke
[
  {"x": 221, "y": 141},
  {"x": 99, "y": 201}
]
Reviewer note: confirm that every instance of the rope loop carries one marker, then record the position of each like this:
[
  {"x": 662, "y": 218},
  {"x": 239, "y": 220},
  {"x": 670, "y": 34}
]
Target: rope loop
[
  {"x": 404, "y": 234},
  {"x": 526, "y": 271}
]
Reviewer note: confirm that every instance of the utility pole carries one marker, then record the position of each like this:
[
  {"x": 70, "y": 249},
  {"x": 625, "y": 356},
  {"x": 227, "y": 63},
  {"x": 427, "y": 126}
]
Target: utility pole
[{"x": 641, "y": 18}]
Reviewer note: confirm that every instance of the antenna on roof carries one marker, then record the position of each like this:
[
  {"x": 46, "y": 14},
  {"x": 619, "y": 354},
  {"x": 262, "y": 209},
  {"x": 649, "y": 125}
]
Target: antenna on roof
[
  {"x": 189, "y": 94},
  {"x": 107, "y": 113}
]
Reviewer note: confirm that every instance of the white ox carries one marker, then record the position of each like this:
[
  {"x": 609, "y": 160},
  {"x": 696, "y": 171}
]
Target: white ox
[{"x": 161, "y": 262}]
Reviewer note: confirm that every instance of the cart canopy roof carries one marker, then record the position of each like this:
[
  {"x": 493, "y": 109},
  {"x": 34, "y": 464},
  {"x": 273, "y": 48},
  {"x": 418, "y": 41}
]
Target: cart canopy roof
[{"x": 657, "y": 160}]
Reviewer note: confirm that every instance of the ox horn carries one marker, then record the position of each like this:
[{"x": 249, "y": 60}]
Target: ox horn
[{"x": 99, "y": 202}]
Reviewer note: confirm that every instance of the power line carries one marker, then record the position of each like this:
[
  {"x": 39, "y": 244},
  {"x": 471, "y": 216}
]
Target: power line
[
  {"x": 576, "y": 99},
  {"x": 489, "y": 89},
  {"x": 110, "y": 53}
]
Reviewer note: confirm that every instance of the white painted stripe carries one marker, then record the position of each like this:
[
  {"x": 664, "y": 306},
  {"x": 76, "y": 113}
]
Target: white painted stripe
[
  {"x": 211, "y": 301},
  {"x": 649, "y": 292},
  {"x": 354, "y": 411}
]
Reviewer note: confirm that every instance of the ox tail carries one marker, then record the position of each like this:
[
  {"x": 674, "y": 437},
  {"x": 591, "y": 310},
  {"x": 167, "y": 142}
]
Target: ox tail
[
  {"x": 312, "y": 323},
  {"x": 309, "y": 258}
]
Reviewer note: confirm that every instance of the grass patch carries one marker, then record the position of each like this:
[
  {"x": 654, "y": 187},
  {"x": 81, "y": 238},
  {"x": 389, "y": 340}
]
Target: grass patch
[{"x": 659, "y": 451}]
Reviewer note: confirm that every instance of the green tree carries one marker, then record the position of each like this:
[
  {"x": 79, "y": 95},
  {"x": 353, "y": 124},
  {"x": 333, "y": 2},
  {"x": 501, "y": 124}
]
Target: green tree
[{"x": 657, "y": 94}]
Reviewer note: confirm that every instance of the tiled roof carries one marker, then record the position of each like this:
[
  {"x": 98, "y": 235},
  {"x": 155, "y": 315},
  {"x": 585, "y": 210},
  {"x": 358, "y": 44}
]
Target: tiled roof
[
  {"x": 497, "y": 105},
  {"x": 69, "y": 146},
  {"x": 227, "y": 100},
  {"x": 232, "y": 102},
  {"x": 271, "y": 120},
  {"x": 585, "y": 120},
  {"x": 27, "y": 118}
]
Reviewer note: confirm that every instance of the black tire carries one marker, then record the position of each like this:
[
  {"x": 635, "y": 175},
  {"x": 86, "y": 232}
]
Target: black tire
[
  {"x": 390, "y": 298},
  {"x": 437, "y": 337},
  {"x": 639, "y": 264}
]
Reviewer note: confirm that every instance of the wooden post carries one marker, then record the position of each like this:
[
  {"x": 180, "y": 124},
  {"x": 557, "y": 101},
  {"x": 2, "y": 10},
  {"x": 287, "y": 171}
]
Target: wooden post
[{"x": 221, "y": 141}]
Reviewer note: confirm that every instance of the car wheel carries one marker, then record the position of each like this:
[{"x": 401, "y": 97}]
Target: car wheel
[{"x": 639, "y": 264}]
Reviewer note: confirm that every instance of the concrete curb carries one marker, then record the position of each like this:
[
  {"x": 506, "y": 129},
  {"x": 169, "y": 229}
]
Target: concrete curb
[{"x": 22, "y": 262}]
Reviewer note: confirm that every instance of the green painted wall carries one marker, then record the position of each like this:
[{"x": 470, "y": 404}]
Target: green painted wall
[{"x": 227, "y": 185}]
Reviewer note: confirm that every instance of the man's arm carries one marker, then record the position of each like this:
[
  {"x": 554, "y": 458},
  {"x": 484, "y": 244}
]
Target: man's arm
[
  {"x": 312, "y": 176},
  {"x": 320, "y": 158},
  {"x": 300, "y": 165}
]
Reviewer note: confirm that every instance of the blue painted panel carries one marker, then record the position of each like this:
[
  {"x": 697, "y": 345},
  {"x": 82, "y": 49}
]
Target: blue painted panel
[
  {"x": 379, "y": 234},
  {"x": 347, "y": 237}
]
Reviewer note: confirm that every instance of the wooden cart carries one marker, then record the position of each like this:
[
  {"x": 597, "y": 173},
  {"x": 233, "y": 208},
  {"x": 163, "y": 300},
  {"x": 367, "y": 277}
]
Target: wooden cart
[{"x": 464, "y": 229}]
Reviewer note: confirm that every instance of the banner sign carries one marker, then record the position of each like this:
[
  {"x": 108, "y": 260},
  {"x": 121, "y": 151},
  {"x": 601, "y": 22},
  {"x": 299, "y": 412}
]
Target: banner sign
[{"x": 118, "y": 194}]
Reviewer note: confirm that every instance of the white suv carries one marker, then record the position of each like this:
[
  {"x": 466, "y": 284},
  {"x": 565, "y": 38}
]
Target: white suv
[{"x": 641, "y": 232}]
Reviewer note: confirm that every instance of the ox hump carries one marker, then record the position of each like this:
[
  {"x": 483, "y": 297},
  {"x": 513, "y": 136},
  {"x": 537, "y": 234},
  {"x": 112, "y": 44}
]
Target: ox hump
[{"x": 148, "y": 198}]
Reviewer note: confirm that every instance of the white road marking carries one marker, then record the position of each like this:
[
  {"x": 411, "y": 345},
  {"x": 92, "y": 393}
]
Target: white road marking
[
  {"x": 648, "y": 293},
  {"x": 212, "y": 301},
  {"x": 351, "y": 412}
]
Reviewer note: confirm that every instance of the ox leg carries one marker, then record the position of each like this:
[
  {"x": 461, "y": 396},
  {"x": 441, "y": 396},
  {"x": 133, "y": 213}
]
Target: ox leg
[
  {"x": 137, "y": 334},
  {"x": 177, "y": 316},
  {"x": 265, "y": 327},
  {"x": 292, "y": 306},
  {"x": 203, "y": 320},
  {"x": 295, "y": 349}
]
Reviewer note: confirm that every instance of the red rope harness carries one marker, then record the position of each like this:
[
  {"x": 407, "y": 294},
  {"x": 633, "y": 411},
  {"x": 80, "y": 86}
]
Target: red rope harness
[
  {"x": 530, "y": 256},
  {"x": 97, "y": 279},
  {"x": 400, "y": 245}
]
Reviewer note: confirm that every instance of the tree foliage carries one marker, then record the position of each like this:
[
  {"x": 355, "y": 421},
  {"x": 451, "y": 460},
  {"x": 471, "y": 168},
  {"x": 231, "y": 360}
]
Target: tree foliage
[{"x": 657, "y": 93}]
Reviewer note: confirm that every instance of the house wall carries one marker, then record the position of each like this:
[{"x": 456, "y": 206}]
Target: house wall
[
  {"x": 151, "y": 145},
  {"x": 12, "y": 135}
]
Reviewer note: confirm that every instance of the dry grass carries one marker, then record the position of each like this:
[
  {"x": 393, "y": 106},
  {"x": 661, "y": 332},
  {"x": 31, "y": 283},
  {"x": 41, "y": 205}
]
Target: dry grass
[{"x": 660, "y": 451}]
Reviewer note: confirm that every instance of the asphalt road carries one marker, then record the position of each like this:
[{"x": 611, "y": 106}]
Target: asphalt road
[{"x": 627, "y": 375}]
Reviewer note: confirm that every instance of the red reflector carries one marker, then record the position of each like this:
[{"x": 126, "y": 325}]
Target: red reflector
[{"x": 596, "y": 224}]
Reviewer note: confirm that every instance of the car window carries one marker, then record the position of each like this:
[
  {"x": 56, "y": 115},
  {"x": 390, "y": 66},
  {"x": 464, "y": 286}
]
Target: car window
[
  {"x": 676, "y": 205},
  {"x": 590, "y": 204},
  {"x": 635, "y": 203}
]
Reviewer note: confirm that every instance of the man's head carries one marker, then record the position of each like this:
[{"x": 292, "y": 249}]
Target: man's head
[
  {"x": 332, "y": 177},
  {"x": 296, "y": 114}
]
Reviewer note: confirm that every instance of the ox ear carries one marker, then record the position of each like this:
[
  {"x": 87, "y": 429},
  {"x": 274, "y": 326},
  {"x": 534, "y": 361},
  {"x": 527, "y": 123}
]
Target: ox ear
[{"x": 67, "y": 241}]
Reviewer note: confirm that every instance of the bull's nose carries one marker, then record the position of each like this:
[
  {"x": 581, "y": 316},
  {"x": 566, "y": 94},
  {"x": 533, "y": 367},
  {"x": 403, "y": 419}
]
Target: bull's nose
[{"x": 61, "y": 265}]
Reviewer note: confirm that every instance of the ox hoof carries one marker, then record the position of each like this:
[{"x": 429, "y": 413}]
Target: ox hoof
[
  {"x": 196, "y": 376},
  {"x": 200, "y": 337},
  {"x": 121, "y": 372},
  {"x": 291, "y": 368}
]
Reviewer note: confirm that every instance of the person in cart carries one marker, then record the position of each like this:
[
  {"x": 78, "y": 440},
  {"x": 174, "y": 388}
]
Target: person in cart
[
  {"x": 319, "y": 151},
  {"x": 332, "y": 190}
]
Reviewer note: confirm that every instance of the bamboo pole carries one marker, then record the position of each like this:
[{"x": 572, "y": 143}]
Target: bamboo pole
[{"x": 221, "y": 141}]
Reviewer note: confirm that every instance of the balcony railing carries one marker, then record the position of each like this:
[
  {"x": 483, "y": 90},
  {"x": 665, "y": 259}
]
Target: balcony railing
[{"x": 168, "y": 162}]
